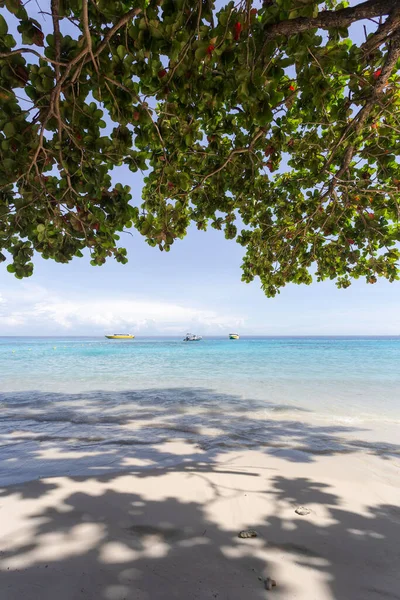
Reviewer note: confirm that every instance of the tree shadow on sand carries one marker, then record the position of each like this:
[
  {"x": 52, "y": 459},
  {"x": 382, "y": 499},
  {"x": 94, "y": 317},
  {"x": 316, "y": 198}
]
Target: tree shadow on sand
[
  {"x": 46, "y": 434},
  {"x": 92, "y": 538},
  {"x": 147, "y": 521}
]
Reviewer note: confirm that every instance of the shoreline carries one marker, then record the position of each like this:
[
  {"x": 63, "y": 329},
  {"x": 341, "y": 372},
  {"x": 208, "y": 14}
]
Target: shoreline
[
  {"x": 170, "y": 530},
  {"x": 52, "y": 443}
]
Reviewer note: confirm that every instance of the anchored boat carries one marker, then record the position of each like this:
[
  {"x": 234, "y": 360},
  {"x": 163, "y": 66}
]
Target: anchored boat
[
  {"x": 233, "y": 336},
  {"x": 120, "y": 336},
  {"x": 191, "y": 337}
]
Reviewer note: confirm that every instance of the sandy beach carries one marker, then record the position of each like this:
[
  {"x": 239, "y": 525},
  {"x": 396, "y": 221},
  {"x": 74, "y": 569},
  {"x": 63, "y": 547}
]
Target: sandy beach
[
  {"x": 172, "y": 531},
  {"x": 125, "y": 492}
]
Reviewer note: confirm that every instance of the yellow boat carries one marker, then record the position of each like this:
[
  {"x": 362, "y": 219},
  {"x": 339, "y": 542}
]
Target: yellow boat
[
  {"x": 120, "y": 336},
  {"x": 233, "y": 336}
]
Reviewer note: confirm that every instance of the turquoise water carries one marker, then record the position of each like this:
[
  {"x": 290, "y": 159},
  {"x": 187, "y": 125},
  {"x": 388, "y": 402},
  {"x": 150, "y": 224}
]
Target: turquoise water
[
  {"x": 115, "y": 396},
  {"x": 348, "y": 376}
]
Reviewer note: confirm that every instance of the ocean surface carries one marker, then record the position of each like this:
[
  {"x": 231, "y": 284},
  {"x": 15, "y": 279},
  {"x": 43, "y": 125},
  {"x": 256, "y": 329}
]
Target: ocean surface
[{"x": 87, "y": 405}]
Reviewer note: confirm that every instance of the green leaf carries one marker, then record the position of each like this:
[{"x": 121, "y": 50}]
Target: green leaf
[
  {"x": 3, "y": 26},
  {"x": 8, "y": 164},
  {"x": 9, "y": 129},
  {"x": 201, "y": 52},
  {"x": 121, "y": 51},
  {"x": 16, "y": 8}
]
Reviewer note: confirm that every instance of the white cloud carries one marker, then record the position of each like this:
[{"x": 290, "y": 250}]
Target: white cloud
[
  {"x": 112, "y": 313},
  {"x": 13, "y": 319}
]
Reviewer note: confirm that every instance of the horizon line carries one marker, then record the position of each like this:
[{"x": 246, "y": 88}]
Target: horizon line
[{"x": 224, "y": 336}]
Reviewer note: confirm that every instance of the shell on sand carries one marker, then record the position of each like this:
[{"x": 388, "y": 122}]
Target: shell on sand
[
  {"x": 248, "y": 533},
  {"x": 302, "y": 510},
  {"x": 269, "y": 583}
]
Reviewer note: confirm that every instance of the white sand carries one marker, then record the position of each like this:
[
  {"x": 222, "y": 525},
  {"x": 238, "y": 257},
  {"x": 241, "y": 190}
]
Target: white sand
[{"x": 172, "y": 532}]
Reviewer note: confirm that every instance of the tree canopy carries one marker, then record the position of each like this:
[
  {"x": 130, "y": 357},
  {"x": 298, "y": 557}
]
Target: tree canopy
[{"x": 273, "y": 122}]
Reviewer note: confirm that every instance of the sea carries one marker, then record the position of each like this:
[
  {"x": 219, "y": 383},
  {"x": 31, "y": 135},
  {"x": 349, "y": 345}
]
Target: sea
[{"x": 88, "y": 405}]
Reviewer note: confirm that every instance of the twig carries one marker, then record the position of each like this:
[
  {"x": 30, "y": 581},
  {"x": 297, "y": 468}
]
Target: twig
[
  {"x": 129, "y": 15},
  {"x": 330, "y": 19},
  {"x": 227, "y": 160},
  {"x": 85, "y": 23},
  {"x": 144, "y": 106},
  {"x": 383, "y": 32},
  {"x": 359, "y": 121},
  {"x": 55, "y": 9},
  {"x": 41, "y": 56}
]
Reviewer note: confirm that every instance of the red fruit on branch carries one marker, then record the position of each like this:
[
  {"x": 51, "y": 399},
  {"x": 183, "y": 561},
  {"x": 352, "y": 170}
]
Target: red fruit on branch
[
  {"x": 162, "y": 73},
  {"x": 377, "y": 73},
  {"x": 237, "y": 30},
  {"x": 136, "y": 115},
  {"x": 292, "y": 88},
  {"x": 96, "y": 226},
  {"x": 170, "y": 185},
  {"x": 210, "y": 49},
  {"x": 270, "y": 165},
  {"x": 269, "y": 150},
  {"x": 350, "y": 242},
  {"x": 253, "y": 12}
]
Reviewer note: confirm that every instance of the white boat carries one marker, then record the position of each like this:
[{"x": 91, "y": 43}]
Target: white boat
[{"x": 191, "y": 337}]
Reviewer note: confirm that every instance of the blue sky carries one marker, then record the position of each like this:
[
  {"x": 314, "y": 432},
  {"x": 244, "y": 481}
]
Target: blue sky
[{"x": 196, "y": 287}]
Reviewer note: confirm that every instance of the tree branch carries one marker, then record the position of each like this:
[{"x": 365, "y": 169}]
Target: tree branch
[
  {"x": 127, "y": 17},
  {"x": 330, "y": 19},
  {"x": 359, "y": 120},
  {"x": 85, "y": 22},
  {"x": 55, "y": 9},
  {"x": 144, "y": 106},
  {"x": 22, "y": 50},
  {"x": 383, "y": 32},
  {"x": 233, "y": 152}
]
